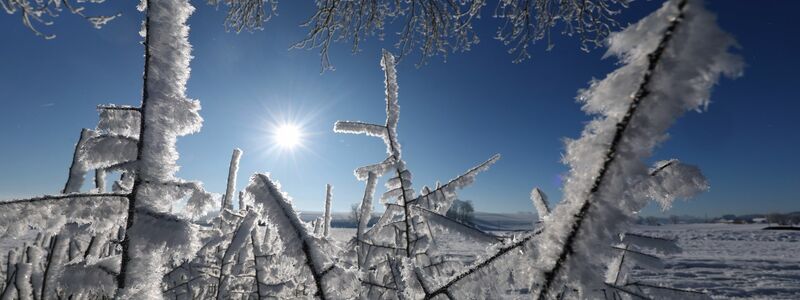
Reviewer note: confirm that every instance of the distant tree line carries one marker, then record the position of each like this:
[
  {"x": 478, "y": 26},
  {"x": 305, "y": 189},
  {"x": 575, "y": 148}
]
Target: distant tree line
[
  {"x": 784, "y": 219},
  {"x": 462, "y": 211},
  {"x": 792, "y": 218}
]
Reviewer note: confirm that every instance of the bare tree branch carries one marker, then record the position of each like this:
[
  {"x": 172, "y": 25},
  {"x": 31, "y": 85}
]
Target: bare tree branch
[
  {"x": 42, "y": 11},
  {"x": 440, "y": 27}
]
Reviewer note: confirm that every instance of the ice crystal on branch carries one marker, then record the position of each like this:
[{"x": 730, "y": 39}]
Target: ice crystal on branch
[
  {"x": 320, "y": 273},
  {"x": 671, "y": 59},
  {"x": 398, "y": 256},
  {"x": 154, "y": 235},
  {"x": 540, "y": 203},
  {"x": 227, "y": 200}
]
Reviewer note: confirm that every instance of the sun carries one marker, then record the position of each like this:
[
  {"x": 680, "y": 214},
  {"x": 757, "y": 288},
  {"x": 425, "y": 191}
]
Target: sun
[
  {"x": 285, "y": 133},
  {"x": 288, "y": 136}
]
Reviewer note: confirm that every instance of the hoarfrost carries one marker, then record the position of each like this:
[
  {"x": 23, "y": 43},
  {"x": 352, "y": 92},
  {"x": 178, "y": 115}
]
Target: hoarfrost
[{"x": 671, "y": 59}]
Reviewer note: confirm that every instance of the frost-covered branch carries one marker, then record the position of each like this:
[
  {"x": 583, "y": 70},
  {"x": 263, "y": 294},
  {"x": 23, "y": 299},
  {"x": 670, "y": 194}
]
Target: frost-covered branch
[
  {"x": 64, "y": 217},
  {"x": 108, "y": 150},
  {"x": 50, "y": 263},
  {"x": 119, "y": 120},
  {"x": 326, "y": 225},
  {"x": 396, "y": 221},
  {"x": 670, "y": 180},
  {"x": 454, "y": 226},
  {"x": 364, "y": 215},
  {"x": 440, "y": 199},
  {"x": 660, "y": 244},
  {"x": 118, "y": 107},
  {"x": 540, "y": 202},
  {"x": 47, "y": 198},
  {"x": 673, "y": 57},
  {"x": 630, "y": 252},
  {"x": 165, "y": 114},
  {"x": 404, "y": 234},
  {"x": 663, "y": 292},
  {"x": 432, "y": 27},
  {"x": 239, "y": 240},
  {"x": 42, "y": 11},
  {"x": 100, "y": 180},
  {"x": 227, "y": 200},
  {"x": 527, "y": 21},
  {"x": 113, "y": 146},
  {"x": 299, "y": 244},
  {"x": 610, "y": 155},
  {"x": 388, "y": 131},
  {"x": 247, "y": 14},
  {"x": 440, "y": 27},
  {"x": 495, "y": 255},
  {"x": 77, "y": 170}
]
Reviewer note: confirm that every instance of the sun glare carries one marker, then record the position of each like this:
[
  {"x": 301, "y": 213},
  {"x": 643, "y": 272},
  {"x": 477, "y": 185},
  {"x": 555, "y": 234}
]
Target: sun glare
[
  {"x": 288, "y": 136},
  {"x": 285, "y": 133}
]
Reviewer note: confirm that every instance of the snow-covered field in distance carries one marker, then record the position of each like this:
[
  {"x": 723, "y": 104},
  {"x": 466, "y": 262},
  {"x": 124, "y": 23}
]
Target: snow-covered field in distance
[
  {"x": 730, "y": 261},
  {"x": 484, "y": 220},
  {"x": 724, "y": 260},
  {"x": 727, "y": 261}
]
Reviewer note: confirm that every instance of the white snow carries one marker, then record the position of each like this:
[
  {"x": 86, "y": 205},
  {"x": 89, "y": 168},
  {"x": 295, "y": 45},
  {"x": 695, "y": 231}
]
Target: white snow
[
  {"x": 730, "y": 261},
  {"x": 726, "y": 261}
]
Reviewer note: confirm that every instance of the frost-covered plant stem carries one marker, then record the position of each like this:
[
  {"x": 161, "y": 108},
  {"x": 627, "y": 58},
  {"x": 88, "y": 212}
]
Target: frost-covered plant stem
[
  {"x": 540, "y": 203},
  {"x": 290, "y": 228},
  {"x": 453, "y": 224},
  {"x": 402, "y": 242},
  {"x": 227, "y": 201},
  {"x": 327, "y": 216},
  {"x": 61, "y": 197},
  {"x": 48, "y": 264},
  {"x": 364, "y": 215},
  {"x": 406, "y": 212},
  {"x": 76, "y": 171},
  {"x": 22, "y": 280},
  {"x": 11, "y": 272},
  {"x": 100, "y": 180},
  {"x": 137, "y": 183},
  {"x": 258, "y": 255},
  {"x": 641, "y": 93},
  {"x": 444, "y": 288},
  {"x": 619, "y": 266},
  {"x": 165, "y": 114},
  {"x": 663, "y": 87},
  {"x": 238, "y": 241}
]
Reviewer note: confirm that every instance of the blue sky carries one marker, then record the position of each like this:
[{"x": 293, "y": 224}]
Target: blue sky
[{"x": 454, "y": 114}]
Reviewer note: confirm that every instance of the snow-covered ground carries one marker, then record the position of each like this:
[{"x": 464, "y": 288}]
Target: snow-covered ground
[
  {"x": 730, "y": 261},
  {"x": 725, "y": 261}
]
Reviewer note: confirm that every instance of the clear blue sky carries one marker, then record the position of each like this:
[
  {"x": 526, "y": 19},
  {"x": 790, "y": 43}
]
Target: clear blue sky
[{"x": 454, "y": 114}]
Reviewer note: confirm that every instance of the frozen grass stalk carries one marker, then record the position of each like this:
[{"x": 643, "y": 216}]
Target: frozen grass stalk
[
  {"x": 233, "y": 170},
  {"x": 327, "y": 216}
]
